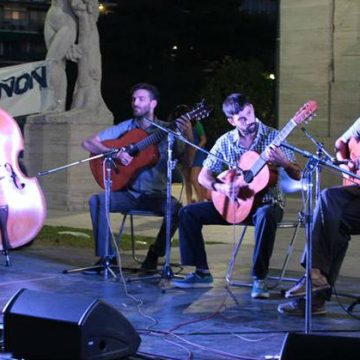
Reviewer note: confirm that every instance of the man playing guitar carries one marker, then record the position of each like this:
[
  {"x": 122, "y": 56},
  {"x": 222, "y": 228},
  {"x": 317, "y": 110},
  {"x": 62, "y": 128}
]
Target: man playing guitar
[
  {"x": 147, "y": 191},
  {"x": 336, "y": 218},
  {"x": 249, "y": 135}
]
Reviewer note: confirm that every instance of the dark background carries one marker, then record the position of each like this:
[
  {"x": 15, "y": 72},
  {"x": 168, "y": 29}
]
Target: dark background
[{"x": 221, "y": 47}]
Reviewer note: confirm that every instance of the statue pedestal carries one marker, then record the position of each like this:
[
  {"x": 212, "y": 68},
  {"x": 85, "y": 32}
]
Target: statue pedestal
[{"x": 53, "y": 140}]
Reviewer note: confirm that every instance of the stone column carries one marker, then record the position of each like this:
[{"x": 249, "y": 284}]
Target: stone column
[
  {"x": 53, "y": 140},
  {"x": 319, "y": 59}
]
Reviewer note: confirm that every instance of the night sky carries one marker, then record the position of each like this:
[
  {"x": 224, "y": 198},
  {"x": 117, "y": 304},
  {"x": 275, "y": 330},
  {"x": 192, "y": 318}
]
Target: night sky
[{"x": 177, "y": 45}]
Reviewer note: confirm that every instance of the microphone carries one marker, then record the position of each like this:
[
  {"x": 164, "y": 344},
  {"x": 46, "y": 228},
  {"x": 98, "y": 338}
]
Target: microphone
[{"x": 339, "y": 162}]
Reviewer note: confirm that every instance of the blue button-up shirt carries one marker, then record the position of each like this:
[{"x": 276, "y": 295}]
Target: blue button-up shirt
[{"x": 150, "y": 179}]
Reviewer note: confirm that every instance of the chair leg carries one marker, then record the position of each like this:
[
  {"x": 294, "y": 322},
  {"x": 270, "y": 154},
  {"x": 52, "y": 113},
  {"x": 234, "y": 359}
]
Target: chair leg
[
  {"x": 289, "y": 252},
  {"x": 230, "y": 268},
  {"x": 121, "y": 230},
  {"x": 7, "y": 257},
  {"x": 133, "y": 243}
]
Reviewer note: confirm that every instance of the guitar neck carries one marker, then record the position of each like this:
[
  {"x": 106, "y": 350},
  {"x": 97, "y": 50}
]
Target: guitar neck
[
  {"x": 154, "y": 138},
  {"x": 280, "y": 137}
]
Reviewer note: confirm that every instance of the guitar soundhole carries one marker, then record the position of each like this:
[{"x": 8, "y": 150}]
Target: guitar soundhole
[{"x": 246, "y": 192}]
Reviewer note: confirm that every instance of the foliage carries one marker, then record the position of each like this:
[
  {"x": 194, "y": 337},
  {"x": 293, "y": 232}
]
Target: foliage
[
  {"x": 174, "y": 44},
  {"x": 247, "y": 77},
  {"x": 81, "y": 238}
]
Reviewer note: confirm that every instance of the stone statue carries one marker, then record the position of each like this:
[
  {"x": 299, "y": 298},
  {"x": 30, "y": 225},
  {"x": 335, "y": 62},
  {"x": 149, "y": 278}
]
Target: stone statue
[
  {"x": 60, "y": 33},
  {"x": 87, "y": 92},
  {"x": 68, "y": 21}
]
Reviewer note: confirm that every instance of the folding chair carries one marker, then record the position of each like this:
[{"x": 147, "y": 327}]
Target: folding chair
[
  {"x": 288, "y": 185},
  {"x": 177, "y": 177}
]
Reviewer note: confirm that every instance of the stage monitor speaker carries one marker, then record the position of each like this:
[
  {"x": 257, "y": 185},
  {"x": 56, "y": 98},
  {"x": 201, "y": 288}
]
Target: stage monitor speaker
[
  {"x": 40, "y": 325},
  {"x": 319, "y": 347}
]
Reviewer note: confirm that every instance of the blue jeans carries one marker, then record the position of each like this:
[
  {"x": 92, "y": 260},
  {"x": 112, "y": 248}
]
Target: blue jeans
[
  {"x": 192, "y": 246},
  {"x": 123, "y": 201},
  {"x": 336, "y": 218}
]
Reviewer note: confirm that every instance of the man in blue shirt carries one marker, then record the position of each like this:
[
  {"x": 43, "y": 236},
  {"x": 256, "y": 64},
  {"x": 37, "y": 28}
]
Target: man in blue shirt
[
  {"x": 249, "y": 133},
  {"x": 148, "y": 190}
]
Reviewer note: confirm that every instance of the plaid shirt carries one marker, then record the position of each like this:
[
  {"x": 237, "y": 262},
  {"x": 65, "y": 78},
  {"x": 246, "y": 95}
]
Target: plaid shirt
[{"x": 228, "y": 148}]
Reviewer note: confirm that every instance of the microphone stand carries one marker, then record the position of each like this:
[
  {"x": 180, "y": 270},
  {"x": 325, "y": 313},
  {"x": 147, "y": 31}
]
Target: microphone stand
[
  {"x": 313, "y": 163},
  {"x": 167, "y": 273},
  {"x": 320, "y": 152},
  {"x": 106, "y": 260}
]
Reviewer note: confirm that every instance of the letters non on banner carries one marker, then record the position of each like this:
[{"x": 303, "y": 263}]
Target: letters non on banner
[{"x": 24, "y": 88}]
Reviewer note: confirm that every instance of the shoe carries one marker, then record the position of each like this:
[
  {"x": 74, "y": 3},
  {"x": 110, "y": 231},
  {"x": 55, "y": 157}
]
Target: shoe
[
  {"x": 151, "y": 261},
  {"x": 299, "y": 290},
  {"x": 260, "y": 290},
  {"x": 297, "y": 307},
  {"x": 193, "y": 280}
]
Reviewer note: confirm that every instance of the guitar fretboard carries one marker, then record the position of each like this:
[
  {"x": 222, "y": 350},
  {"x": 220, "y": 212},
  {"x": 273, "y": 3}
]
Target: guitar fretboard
[
  {"x": 154, "y": 138},
  {"x": 280, "y": 137}
]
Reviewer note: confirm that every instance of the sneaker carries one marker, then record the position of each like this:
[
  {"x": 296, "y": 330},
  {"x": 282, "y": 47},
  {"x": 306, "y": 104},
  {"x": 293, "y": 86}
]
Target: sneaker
[
  {"x": 151, "y": 261},
  {"x": 299, "y": 289},
  {"x": 193, "y": 280},
  {"x": 260, "y": 290},
  {"x": 297, "y": 307}
]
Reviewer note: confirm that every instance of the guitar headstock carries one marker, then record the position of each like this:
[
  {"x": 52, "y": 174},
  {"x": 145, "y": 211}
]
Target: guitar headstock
[
  {"x": 200, "y": 111},
  {"x": 306, "y": 112}
]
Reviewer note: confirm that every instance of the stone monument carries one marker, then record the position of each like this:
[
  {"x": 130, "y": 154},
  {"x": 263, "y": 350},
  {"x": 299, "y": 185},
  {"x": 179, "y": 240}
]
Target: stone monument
[{"x": 53, "y": 137}]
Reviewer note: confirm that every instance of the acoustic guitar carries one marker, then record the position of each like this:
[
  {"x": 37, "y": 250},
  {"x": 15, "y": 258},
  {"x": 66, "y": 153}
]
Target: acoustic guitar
[
  {"x": 256, "y": 173},
  {"x": 142, "y": 146}
]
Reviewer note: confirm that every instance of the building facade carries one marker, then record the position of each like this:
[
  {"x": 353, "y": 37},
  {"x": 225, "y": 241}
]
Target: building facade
[
  {"x": 319, "y": 59},
  {"x": 21, "y": 31}
]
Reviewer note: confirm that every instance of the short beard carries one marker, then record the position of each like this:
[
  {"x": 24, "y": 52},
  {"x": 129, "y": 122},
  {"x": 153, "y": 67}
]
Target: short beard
[{"x": 251, "y": 129}]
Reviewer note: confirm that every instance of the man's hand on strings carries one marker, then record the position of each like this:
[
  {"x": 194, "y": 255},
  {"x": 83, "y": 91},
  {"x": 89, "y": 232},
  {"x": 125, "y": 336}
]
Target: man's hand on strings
[
  {"x": 231, "y": 190},
  {"x": 124, "y": 157}
]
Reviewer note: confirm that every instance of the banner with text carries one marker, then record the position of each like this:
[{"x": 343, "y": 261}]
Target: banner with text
[{"x": 24, "y": 88}]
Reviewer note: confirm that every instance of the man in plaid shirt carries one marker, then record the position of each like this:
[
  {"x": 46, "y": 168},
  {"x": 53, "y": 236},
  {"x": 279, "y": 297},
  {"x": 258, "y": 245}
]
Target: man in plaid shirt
[{"x": 249, "y": 133}]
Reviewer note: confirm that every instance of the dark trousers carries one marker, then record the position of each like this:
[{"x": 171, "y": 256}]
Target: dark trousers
[
  {"x": 336, "y": 218},
  {"x": 192, "y": 246},
  {"x": 122, "y": 202}
]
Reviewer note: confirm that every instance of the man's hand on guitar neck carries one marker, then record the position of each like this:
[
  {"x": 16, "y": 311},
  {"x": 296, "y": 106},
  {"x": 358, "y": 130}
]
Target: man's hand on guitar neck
[
  {"x": 274, "y": 155},
  {"x": 183, "y": 123}
]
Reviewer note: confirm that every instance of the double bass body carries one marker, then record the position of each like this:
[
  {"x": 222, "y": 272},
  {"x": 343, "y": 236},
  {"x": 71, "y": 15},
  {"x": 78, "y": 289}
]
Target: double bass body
[{"x": 22, "y": 203}]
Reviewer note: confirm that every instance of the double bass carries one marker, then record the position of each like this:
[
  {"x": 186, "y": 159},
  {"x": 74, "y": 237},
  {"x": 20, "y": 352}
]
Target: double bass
[{"x": 22, "y": 203}]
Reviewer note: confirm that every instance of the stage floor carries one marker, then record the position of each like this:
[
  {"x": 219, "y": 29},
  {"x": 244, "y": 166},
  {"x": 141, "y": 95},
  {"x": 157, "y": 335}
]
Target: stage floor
[{"x": 217, "y": 323}]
